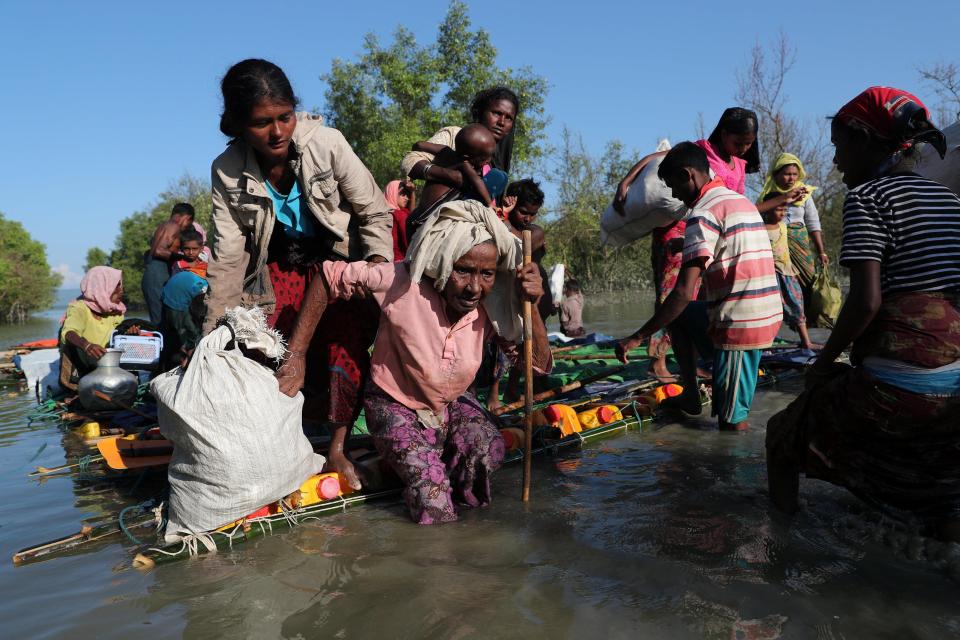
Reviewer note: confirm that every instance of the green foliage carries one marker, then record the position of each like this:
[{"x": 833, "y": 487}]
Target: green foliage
[
  {"x": 96, "y": 257},
  {"x": 586, "y": 187},
  {"x": 136, "y": 232},
  {"x": 395, "y": 95},
  {"x": 26, "y": 282}
]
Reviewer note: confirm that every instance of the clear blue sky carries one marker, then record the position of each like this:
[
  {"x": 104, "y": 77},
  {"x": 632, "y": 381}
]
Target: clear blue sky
[{"x": 104, "y": 104}]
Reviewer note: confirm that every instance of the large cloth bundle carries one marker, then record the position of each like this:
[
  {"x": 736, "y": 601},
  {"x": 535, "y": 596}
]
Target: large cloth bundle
[
  {"x": 649, "y": 205},
  {"x": 238, "y": 441},
  {"x": 947, "y": 170}
]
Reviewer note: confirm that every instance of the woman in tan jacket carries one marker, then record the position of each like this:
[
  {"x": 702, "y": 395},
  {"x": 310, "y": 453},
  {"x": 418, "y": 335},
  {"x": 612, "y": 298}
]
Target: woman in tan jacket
[{"x": 289, "y": 193}]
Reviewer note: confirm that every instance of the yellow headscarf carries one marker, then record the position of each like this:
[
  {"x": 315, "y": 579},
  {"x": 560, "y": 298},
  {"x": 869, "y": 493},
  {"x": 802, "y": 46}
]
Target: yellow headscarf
[{"x": 771, "y": 185}]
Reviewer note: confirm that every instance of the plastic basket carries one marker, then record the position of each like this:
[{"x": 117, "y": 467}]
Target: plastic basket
[{"x": 139, "y": 352}]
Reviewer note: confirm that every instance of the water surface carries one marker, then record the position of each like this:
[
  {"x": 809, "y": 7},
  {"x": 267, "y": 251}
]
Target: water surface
[{"x": 665, "y": 534}]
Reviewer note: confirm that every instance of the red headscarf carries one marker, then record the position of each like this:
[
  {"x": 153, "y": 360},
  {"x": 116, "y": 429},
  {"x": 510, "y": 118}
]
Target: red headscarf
[
  {"x": 894, "y": 115},
  {"x": 391, "y": 192},
  {"x": 96, "y": 288}
]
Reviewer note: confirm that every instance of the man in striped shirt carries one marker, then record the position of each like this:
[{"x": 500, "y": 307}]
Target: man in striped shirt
[{"x": 726, "y": 243}]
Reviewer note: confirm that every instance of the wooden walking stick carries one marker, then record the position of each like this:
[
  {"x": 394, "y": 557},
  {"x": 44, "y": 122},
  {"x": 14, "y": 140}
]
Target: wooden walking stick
[{"x": 528, "y": 375}]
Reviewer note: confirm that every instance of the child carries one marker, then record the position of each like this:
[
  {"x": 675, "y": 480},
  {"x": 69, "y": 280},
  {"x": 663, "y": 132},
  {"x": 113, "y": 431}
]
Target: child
[
  {"x": 183, "y": 310},
  {"x": 571, "y": 310},
  {"x": 193, "y": 255},
  {"x": 401, "y": 195},
  {"x": 474, "y": 148},
  {"x": 726, "y": 243},
  {"x": 790, "y": 290},
  {"x": 522, "y": 203}
]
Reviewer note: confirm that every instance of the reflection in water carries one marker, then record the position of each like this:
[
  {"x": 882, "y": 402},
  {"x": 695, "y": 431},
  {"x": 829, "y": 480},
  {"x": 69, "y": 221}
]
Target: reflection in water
[{"x": 663, "y": 534}]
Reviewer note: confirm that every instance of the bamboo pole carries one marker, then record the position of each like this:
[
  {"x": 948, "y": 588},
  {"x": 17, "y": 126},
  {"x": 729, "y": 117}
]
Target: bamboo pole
[
  {"x": 597, "y": 356},
  {"x": 557, "y": 391},
  {"x": 528, "y": 375}
]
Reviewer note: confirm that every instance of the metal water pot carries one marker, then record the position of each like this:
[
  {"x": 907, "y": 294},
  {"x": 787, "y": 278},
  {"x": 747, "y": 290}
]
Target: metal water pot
[{"x": 110, "y": 379}]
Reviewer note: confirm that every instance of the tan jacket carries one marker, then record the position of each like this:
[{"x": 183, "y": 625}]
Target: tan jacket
[{"x": 340, "y": 193}]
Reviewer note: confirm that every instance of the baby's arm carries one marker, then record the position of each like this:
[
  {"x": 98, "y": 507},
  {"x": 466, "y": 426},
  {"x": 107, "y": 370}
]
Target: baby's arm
[{"x": 429, "y": 147}]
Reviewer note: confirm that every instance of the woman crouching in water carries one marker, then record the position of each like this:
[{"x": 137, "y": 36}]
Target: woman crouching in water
[
  {"x": 459, "y": 287},
  {"x": 887, "y": 428}
]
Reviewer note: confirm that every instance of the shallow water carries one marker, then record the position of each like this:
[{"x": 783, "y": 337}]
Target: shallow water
[{"x": 665, "y": 532}]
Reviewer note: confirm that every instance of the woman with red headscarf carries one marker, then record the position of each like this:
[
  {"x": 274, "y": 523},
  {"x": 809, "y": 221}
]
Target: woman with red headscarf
[{"x": 888, "y": 427}]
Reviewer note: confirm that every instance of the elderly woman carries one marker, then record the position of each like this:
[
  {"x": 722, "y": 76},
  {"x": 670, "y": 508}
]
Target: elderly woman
[
  {"x": 90, "y": 321},
  {"x": 887, "y": 428},
  {"x": 289, "y": 193},
  {"x": 459, "y": 287},
  {"x": 786, "y": 180}
]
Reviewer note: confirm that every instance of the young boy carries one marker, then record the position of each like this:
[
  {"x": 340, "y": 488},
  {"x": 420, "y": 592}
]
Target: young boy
[
  {"x": 183, "y": 305},
  {"x": 522, "y": 203},
  {"x": 790, "y": 290},
  {"x": 726, "y": 242},
  {"x": 571, "y": 310},
  {"x": 192, "y": 256}
]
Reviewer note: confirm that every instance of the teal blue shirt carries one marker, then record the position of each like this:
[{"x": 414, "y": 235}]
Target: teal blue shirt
[
  {"x": 181, "y": 289},
  {"x": 287, "y": 210}
]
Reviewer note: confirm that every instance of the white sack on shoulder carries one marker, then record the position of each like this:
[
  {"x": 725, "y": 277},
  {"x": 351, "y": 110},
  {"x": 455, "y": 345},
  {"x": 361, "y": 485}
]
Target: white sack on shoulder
[
  {"x": 649, "y": 205},
  {"x": 238, "y": 441}
]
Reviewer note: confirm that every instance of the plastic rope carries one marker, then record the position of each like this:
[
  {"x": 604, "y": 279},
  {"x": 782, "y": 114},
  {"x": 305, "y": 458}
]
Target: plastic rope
[
  {"x": 123, "y": 526},
  {"x": 83, "y": 464}
]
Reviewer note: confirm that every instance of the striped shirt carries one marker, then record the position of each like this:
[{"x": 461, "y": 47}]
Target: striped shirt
[
  {"x": 743, "y": 295},
  {"x": 911, "y": 226}
]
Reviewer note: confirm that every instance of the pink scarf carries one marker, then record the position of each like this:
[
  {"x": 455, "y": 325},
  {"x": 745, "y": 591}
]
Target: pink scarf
[
  {"x": 391, "y": 192},
  {"x": 734, "y": 179},
  {"x": 96, "y": 288}
]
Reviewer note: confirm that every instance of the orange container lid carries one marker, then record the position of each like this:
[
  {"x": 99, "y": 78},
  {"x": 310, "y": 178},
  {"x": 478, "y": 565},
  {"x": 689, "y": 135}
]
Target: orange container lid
[{"x": 605, "y": 414}]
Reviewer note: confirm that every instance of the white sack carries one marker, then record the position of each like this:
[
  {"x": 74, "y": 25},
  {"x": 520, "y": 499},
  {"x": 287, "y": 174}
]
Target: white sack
[
  {"x": 649, "y": 205},
  {"x": 556, "y": 279},
  {"x": 43, "y": 366},
  {"x": 947, "y": 170},
  {"x": 238, "y": 441}
]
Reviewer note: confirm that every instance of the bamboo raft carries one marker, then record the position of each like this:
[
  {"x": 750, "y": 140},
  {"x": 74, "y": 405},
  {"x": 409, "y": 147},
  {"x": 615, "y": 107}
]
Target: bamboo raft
[
  {"x": 146, "y": 517},
  {"x": 141, "y": 519}
]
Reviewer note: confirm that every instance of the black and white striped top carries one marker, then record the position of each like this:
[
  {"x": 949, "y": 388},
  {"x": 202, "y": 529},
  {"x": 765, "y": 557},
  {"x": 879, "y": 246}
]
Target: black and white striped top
[{"x": 911, "y": 225}]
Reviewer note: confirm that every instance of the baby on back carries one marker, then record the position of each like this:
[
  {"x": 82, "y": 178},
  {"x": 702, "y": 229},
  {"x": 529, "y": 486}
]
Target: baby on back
[{"x": 473, "y": 150}]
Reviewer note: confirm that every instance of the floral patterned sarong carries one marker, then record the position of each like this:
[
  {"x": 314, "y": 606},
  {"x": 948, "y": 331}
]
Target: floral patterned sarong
[{"x": 440, "y": 467}]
